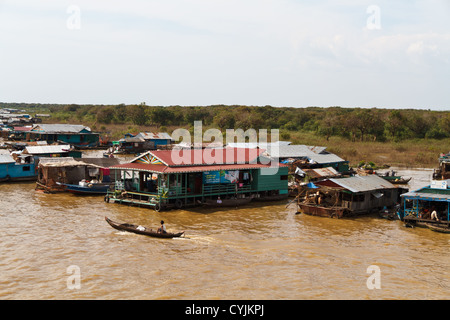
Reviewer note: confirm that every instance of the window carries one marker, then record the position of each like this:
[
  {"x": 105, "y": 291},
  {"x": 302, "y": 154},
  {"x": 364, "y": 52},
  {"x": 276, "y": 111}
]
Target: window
[
  {"x": 26, "y": 168},
  {"x": 283, "y": 177}
]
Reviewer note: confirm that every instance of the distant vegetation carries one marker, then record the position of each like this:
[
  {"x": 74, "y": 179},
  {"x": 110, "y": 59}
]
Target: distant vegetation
[
  {"x": 345, "y": 130},
  {"x": 355, "y": 124}
]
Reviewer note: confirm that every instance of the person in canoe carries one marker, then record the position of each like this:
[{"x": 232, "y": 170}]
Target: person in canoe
[{"x": 162, "y": 229}]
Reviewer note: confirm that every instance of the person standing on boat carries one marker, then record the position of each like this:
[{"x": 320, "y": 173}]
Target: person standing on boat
[{"x": 162, "y": 229}]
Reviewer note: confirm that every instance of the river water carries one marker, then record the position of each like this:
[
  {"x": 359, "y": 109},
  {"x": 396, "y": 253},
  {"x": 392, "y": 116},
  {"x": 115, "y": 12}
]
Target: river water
[{"x": 262, "y": 251}]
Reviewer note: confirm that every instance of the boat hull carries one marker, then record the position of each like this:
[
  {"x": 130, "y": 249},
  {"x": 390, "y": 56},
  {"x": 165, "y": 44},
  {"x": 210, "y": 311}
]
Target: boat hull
[
  {"x": 93, "y": 189},
  {"x": 145, "y": 231},
  {"x": 437, "y": 228},
  {"x": 314, "y": 210}
]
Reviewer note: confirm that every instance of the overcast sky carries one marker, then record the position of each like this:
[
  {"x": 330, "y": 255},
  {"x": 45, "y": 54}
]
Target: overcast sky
[{"x": 385, "y": 54}]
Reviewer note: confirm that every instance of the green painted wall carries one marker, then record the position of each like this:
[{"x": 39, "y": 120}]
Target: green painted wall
[{"x": 263, "y": 181}]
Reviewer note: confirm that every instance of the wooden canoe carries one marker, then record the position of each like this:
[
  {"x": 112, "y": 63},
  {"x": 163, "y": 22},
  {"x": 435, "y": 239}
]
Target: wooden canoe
[
  {"x": 142, "y": 230},
  {"x": 396, "y": 179},
  {"x": 437, "y": 228}
]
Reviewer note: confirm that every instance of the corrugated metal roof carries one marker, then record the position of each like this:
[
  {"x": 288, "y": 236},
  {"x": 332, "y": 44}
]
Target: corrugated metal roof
[
  {"x": 48, "y": 149},
  {"x": 257, "y": 144},
  {"x": 426, "y": 196},
  {"x": 6, "y": 158},
  {"x": 154, "y": 135},
  {"x": 60, "y": 128},
  {"x": 159, "y": 168},
  {"x": 321, "y": 172},
  {"x": 132, "y": 139},
  {"x": 316, "y": 154},
  {"x": 363, "y": 183},
  {"x": 64, "y": 162},
  {"x": 192, "y": 157}
]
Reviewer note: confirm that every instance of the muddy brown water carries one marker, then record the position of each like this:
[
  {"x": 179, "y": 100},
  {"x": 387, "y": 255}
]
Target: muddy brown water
[{"x": 260, "y": 251}]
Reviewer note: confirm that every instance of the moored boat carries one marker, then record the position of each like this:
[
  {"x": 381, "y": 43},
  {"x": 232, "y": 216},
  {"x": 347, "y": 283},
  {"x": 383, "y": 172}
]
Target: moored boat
[
  {"x": 142, "y": 230},
  {"x": 438, "y": 228},
  {"x": 396, "y": 179},
  {"x": 321, "y": 211},
  {"x": 89, "y": 188}
]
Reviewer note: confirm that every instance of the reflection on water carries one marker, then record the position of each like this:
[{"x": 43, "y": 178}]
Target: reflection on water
[{"x": 261, "y": 251}]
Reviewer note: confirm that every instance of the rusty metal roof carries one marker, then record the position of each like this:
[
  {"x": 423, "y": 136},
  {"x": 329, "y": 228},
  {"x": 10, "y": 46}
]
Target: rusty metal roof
[{"x": 363, "y": 183}]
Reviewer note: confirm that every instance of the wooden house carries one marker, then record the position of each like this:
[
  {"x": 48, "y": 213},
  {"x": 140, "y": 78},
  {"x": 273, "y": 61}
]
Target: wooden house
[
  {"x": 344, "y": 197},
  {"x": 55, "y": 174},
  {"x": 77, "y": 135},
  {"x": 307, "y": 157},
  {"x": 166, "y": 179},
  {"x": 142, "y": 142},
  {"x": 418, "y": 205},
  {"x": 44, "y": 151},
  {"x": 443, "y": 172}
]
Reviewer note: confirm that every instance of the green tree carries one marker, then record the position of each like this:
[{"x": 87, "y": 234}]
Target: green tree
[{"x": 137, "y": 114}]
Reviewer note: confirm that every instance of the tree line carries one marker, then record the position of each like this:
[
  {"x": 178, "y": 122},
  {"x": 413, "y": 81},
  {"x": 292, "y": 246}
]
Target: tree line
[{"x": 356, "y": 124}]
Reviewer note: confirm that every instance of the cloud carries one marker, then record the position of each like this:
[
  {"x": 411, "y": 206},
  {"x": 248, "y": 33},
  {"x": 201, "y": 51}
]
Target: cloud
[{"x": 205, "y": 52}]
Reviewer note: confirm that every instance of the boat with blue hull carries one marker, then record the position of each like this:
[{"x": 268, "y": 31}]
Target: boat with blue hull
[{"x": 89, "y": 188}]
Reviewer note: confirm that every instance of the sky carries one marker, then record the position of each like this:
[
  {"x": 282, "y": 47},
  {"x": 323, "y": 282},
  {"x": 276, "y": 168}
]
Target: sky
[{"x": 283, "y": 53}]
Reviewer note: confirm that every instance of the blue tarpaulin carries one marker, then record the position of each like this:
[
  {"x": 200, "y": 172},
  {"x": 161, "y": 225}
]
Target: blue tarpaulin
[{"x": 312, "y": 186}]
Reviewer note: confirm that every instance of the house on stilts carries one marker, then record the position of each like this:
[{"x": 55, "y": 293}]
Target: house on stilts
[{"x": 165, "y": 179}]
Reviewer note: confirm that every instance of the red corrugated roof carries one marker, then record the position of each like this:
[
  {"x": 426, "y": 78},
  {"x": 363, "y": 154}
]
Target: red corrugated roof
[
  {"x": 159, "y": 168},
  {"x": 189, "y": 157},
  {"x": 22, "y": 128}
]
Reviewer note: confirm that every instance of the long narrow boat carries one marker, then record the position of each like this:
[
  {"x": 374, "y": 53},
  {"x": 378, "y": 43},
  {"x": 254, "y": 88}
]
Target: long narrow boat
[
  {"x": 396, "y": 179},
  {"x": 142, "y": 230},
  {"x": 92, "y": 188},
  {"x": 437, "y": 228}
]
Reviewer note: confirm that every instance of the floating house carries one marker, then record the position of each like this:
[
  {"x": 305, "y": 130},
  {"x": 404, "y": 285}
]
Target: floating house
[
  {"x": 443, "y": 172},
  {"x": 156, "y": 140},
  {"x": 18, "y": 168},
  {"x": 77, "y": 135},
  {"x": 167, "y": 179},
  {"x": 57, "y": 174},
  {"x": 142, "y": 142},
  {"x": 418, "y": 206},
  {"x": 43, "y": 151},
  {"x": 345, "y": 197},
  {"x": 307, "y": 157}
]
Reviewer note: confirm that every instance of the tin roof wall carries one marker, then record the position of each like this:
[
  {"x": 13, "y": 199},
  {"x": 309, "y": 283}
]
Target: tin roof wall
[
  {"x": 316, "y": 154},
  {"x": 48, "y": 149},
  {"x": 154, "y": 135},
  {"x": 6, "y": 158},
  {"x": 358, "y": 183},
  {"x": 257, "y": 144},
  {"x": 60, "y": 128},
  {"x": 65, "y": 162},
  {"x": 426, "y": 196},
  {"x": 363, "y": 183}
]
